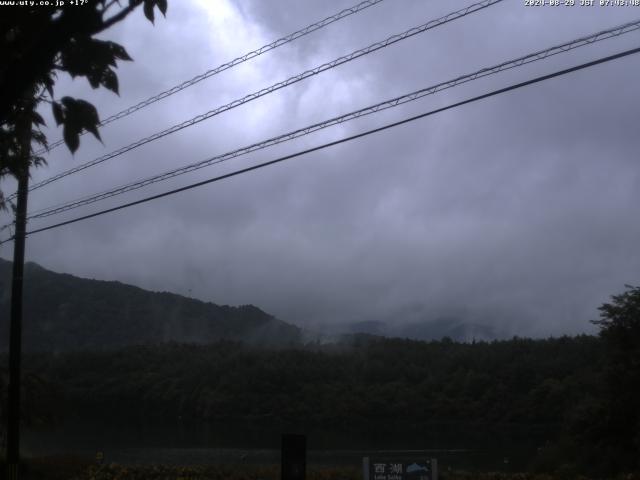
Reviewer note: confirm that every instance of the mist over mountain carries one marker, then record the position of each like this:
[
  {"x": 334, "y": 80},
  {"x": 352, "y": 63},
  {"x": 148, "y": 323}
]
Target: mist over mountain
[
  {"x": 64, "y": 312},
  {"x": 426, "y": 328},
  {"x": 457, "y": 329}
]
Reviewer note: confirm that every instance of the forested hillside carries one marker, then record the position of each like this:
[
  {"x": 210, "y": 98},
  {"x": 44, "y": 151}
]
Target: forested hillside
[
  {"x": 63, "y": 312},
  {"x": 396, "y": 382},
  {"x": 536, "y": 394}
]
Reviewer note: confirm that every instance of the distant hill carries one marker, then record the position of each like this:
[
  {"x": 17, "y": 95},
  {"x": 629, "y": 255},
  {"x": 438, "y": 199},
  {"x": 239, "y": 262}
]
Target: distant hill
[
  {"x": 63, "y": 312},
  {"x": 450, "y": 327},
  {"x": 453, "y": 328}
]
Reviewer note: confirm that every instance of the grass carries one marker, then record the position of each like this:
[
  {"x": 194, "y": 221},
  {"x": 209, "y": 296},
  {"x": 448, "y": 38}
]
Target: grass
[
  {"x": 59, "y": 467},
  {"x": 209, "y": 472},
  {"x": 84, "y": 468}
]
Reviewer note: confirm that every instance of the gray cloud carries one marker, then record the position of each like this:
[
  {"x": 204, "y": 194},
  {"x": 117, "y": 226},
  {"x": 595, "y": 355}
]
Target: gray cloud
[{"x": 519, "y": 209}]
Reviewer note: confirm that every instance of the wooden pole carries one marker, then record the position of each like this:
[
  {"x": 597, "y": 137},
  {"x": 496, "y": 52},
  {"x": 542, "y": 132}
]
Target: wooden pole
[{"x": 15, "y": 336}]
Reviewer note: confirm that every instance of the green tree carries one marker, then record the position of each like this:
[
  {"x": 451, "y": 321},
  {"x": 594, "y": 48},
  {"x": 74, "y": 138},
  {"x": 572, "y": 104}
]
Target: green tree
[
  {"x": 620, "y": 329},
  {"x": 36, "y": 45}
]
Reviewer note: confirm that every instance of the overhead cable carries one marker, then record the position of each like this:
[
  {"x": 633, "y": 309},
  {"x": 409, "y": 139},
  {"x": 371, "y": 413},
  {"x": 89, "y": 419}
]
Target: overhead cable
[
  {"x": 226, "y": 66},
  {"x": 343, "y": 140},
  {"x": 393, "y": 102},
  {"x": 277, "y": 86}
]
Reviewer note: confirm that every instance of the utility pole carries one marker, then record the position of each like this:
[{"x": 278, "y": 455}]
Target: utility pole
[{"x": 15, "y": 336}]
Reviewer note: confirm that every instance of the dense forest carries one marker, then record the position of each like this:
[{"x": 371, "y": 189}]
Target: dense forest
[
  {"x": 396, "y": 382},
  {"x": 549, "y": 395}
]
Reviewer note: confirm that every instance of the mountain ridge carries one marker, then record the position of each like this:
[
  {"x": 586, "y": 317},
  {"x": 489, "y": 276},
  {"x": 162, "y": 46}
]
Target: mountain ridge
[{"x": 65, "y": 312}]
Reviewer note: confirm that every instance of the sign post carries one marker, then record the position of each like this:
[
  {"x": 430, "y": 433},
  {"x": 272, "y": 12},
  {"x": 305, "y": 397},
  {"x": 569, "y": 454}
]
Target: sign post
[
  {"x": 396, "y": 469},
  {"x": 294, "y": 457}
]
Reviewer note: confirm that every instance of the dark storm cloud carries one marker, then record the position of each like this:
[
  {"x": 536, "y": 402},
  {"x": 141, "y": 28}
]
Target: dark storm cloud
[{"x": 517, "y": 210}]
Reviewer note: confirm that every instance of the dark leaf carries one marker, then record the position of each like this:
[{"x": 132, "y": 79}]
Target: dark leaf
[
  {"x": 48, "y": 83},
  {"x": 40, "y": 138},
  {"x": 58, "y": 115},
  {"x": 88, "y": 117},
  {"x": 80, "y": 114},
  {"x": 93, "y": 129},
  {"x": 110, "y": 81},
  {"x": 71, "y": 137},
  {"x": 88, "y": 57},
  {"x": 162, "y": 6},
  {"x": 68, "y": 102},
  {"x": 111, "y": 61},
  {"x": 94, "y": 79},
  {"x": 37, "y": 119},
  {"x": 119, "y": 52},
  {"x": 38, "y": 161},
  {"x": 148, "y": 9},
  {"x": 76, "y": 58}
]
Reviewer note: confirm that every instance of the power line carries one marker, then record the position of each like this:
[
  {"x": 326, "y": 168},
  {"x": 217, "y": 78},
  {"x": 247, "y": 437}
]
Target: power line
[
  {"x": 530, "y": 58},
  {"x": 277, "y": 86},
  {"x": 226, "y": 66},
  {"x": 343, "y": 140}
]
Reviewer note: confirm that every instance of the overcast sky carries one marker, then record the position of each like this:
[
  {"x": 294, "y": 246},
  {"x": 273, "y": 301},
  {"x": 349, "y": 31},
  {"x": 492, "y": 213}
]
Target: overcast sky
[{"x": 521, "y": 209}]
